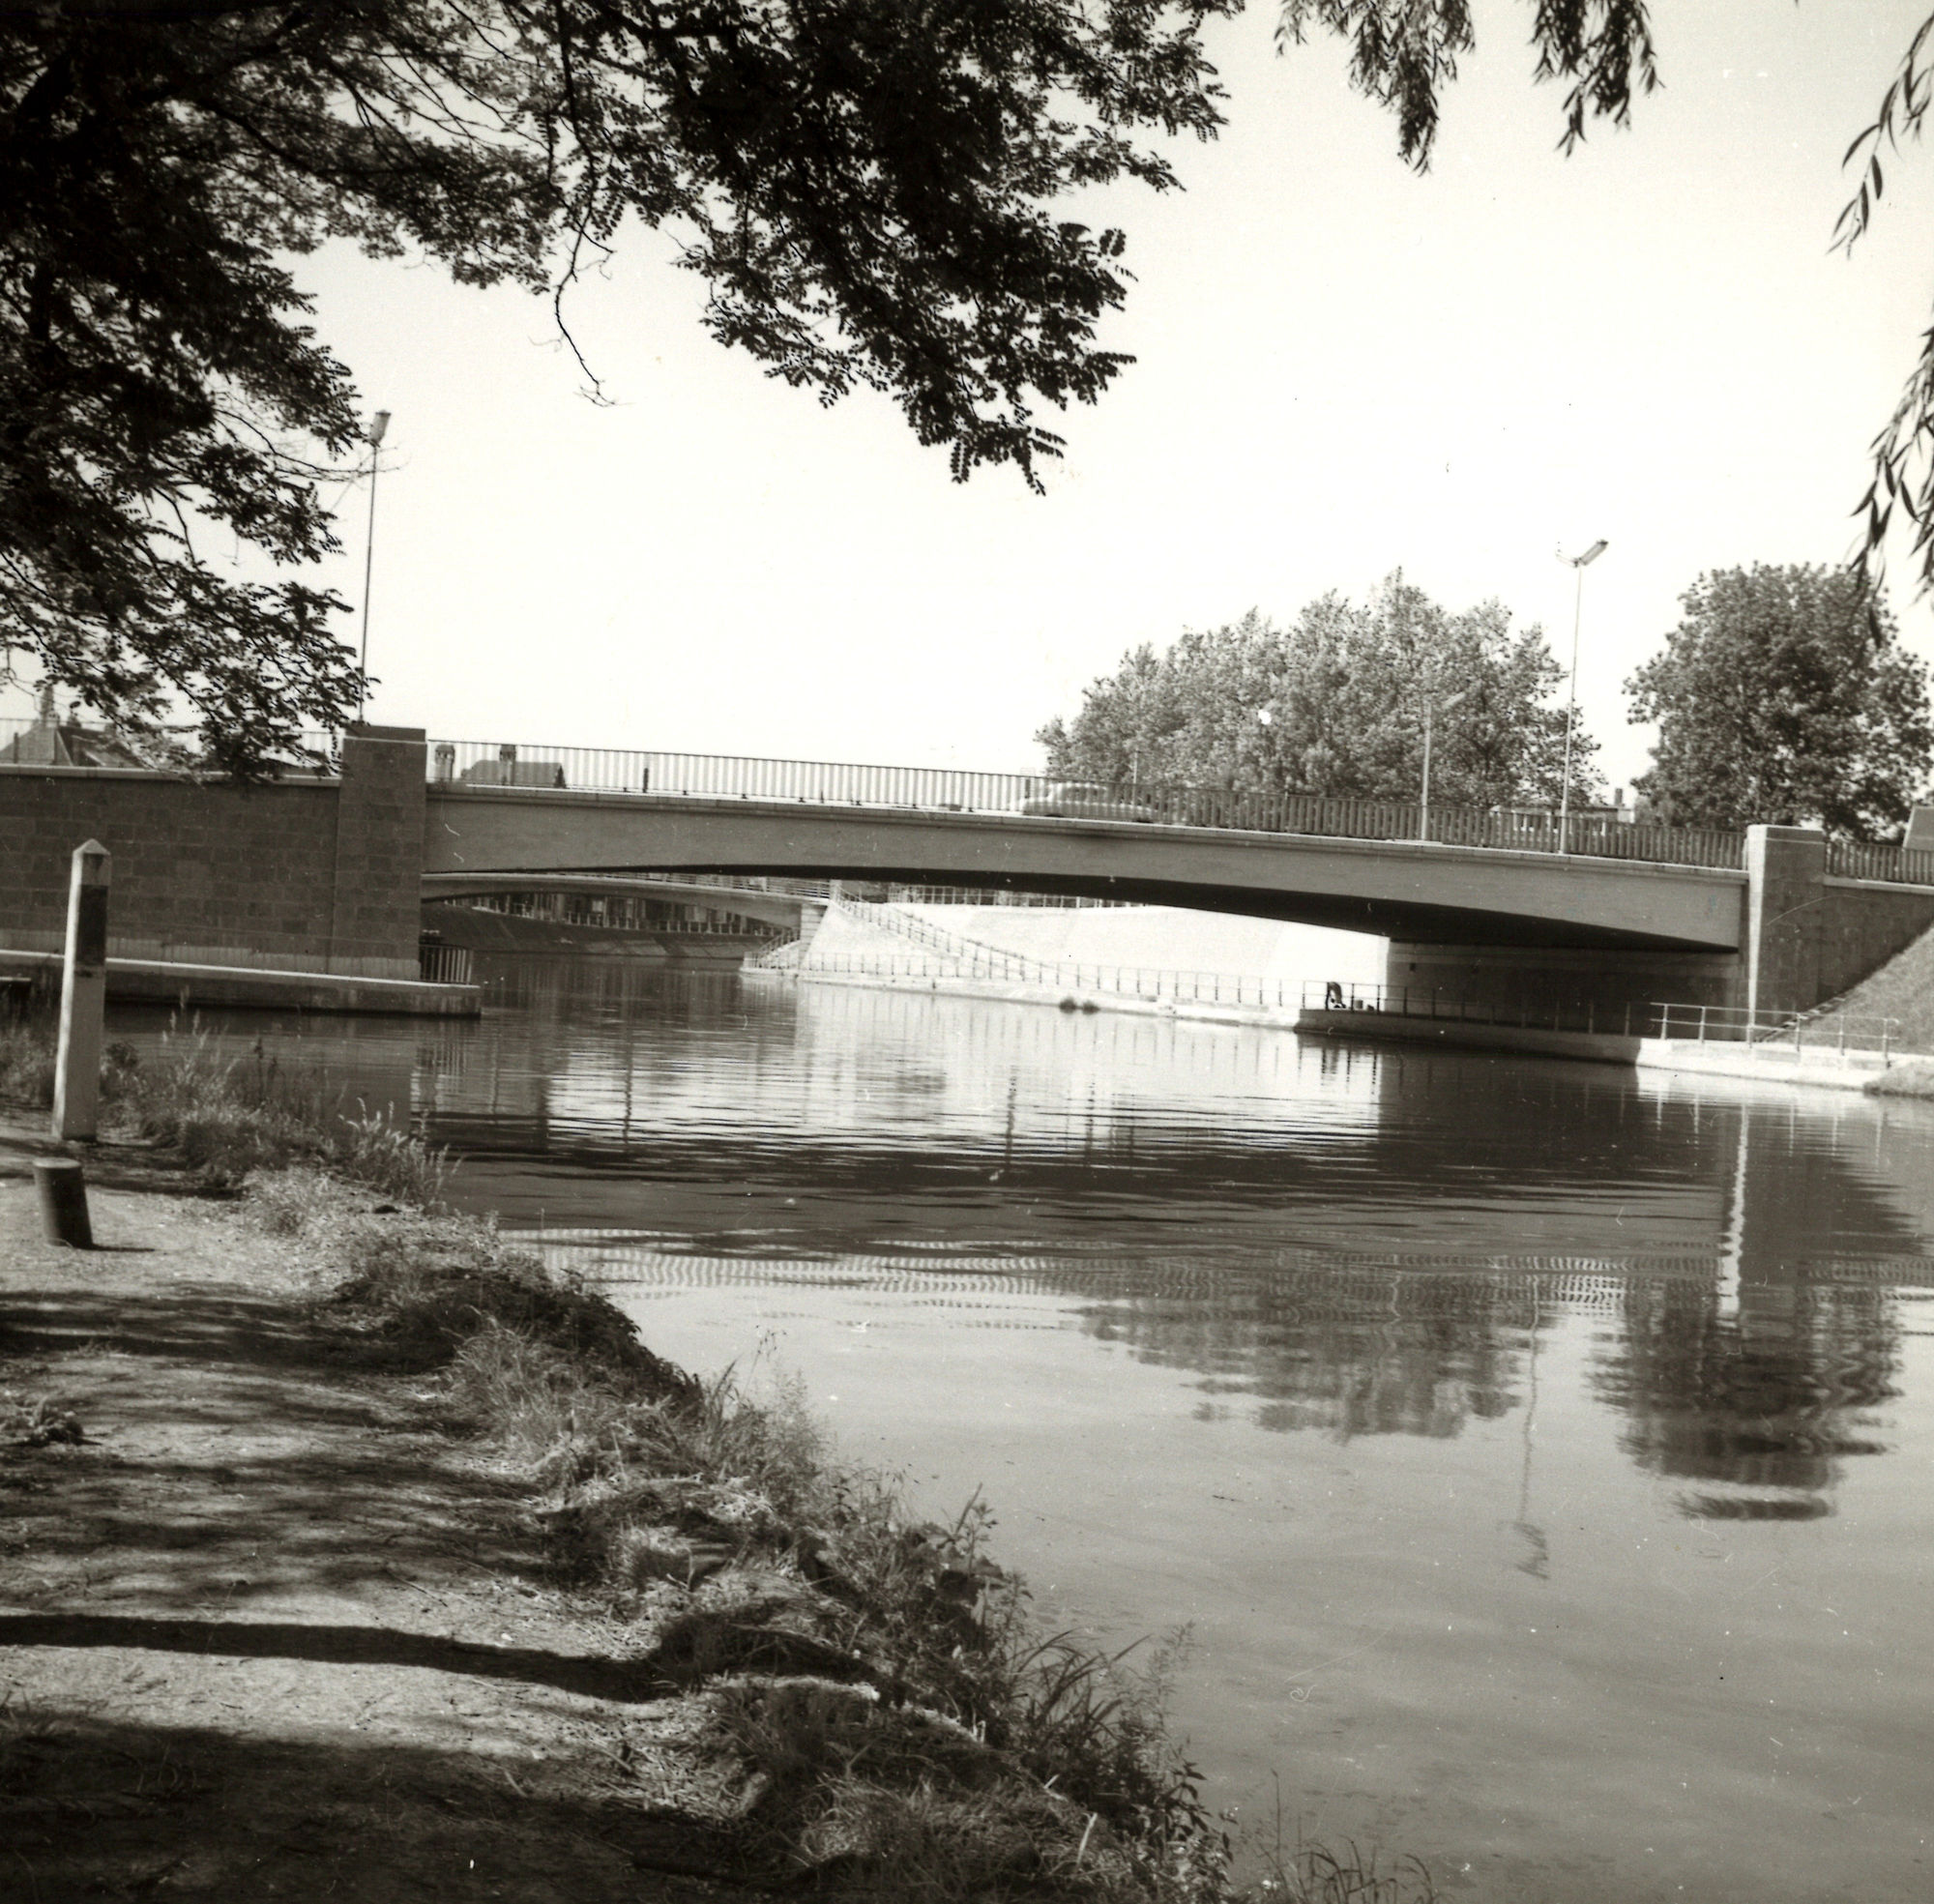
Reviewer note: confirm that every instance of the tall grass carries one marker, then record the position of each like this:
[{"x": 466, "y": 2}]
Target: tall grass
[
  {"x": 227, "y": 1115},
  {"x": 27, "y": 1062},
  {"x": 232, "y": 1114}
]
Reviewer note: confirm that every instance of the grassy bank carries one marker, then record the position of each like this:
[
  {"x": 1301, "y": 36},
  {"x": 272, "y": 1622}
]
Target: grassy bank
[
  {"x": 225, "y": 1117},
  {"x": 857, "y": 1699},
  {"x": 1902, "y": 990}
]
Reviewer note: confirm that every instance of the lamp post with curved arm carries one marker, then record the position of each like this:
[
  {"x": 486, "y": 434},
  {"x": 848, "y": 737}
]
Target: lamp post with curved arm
[
  {"x": 378, "y": 424},
  {"x": 1432, "y": 707},
  {"x": 1579, "y": 563}
]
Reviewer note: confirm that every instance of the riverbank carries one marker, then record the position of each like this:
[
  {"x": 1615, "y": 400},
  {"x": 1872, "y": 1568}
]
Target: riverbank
[{"x": 343, "y": 1548}]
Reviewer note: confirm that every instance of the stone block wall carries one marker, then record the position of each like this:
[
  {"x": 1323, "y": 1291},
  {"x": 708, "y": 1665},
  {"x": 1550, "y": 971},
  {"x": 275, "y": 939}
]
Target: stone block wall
[
  {"x": 1810, "y": 937},
  {"x": 1867, "y": 923},
  {"x": 301, "y": 874},
  {"x": 1786, "y": 918},
  {"x": 376, "y": 881}
]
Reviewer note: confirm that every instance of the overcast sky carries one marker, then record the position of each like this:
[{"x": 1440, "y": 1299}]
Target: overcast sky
[{"x": 1341, "y": 367}]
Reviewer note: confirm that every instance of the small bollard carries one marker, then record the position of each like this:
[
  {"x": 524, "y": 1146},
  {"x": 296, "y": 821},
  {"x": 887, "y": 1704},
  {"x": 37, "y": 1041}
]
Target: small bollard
[{"x": 63, "y": 1192}]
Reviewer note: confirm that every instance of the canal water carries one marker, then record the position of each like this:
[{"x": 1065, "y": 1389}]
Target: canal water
[{"x": 1538, "y": 1455}]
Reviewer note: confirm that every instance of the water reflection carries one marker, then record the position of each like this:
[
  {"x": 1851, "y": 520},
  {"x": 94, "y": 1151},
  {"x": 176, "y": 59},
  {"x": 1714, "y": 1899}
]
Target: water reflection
[{"x": 1342, "y": 1240}]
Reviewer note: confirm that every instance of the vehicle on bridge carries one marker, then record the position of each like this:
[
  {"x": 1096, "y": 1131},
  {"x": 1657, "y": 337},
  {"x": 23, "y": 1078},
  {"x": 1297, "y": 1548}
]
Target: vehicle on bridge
[
  {"x": 508, "y": 770},
  {"x": 1077, "y": 799}
]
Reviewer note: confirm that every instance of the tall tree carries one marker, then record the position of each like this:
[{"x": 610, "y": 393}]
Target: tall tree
[
  {"x": 1784, "y": 697},
  {"x": 1336, "y": 704},
  {"x": 867, "y": 188}
]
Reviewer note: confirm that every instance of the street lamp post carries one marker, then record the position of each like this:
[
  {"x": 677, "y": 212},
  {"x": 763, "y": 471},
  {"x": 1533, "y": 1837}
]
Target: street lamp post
[
  {"x": 378, "y": 424},
  {"x": 1431, "y": 705},
  {"x": 1579, "y": 563}
]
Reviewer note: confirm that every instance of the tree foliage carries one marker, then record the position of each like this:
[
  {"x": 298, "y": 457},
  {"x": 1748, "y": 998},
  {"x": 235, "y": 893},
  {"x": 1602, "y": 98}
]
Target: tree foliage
[
  {"x": 1783, "y": 697},
  {"x": 869, "y": 189},
  {"x": 1335, "y": 704},
  {"x": 876, "y": 194}
]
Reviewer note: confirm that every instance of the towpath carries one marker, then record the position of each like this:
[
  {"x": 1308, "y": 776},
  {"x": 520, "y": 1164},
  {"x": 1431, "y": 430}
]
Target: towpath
[{"x": 266, "y": 1629}]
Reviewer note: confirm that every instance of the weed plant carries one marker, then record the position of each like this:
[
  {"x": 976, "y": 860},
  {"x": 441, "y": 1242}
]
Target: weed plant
[
  {"x": 229, "y": 1115},
  {"x": 1912, "y": 1081},
  {"x": 27, "y": 1062}
]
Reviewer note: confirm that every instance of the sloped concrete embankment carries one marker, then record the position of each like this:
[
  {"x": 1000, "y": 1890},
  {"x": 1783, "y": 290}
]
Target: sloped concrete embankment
[{"x": 1152, "y": 959}]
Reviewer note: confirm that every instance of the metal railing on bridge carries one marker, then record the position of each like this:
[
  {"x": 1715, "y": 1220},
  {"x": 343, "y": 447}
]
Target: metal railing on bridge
[
  {"x": 947, "y": 790},
  {"x": 1861, "y": 859}
]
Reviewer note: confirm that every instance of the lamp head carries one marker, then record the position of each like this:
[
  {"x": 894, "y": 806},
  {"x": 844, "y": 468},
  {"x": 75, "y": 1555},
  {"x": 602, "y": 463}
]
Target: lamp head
[
  {"x": 1591, "y": 554},
  {"x": 380, "y": 422}
]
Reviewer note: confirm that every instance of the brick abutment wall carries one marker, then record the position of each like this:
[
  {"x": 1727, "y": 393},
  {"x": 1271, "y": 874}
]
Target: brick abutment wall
[{"x": 300, "y": 874}]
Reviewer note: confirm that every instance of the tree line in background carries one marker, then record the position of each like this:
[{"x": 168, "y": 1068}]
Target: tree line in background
[
  {"x": 1784, "y": 696},
  {"x": 1337, "y": 704}
]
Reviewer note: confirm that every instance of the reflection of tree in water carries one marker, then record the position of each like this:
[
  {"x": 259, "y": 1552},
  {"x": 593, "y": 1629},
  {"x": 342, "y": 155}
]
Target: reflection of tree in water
[
  {"x": 1754, "y": 1388},
  {"x": 1357, "y": 1350},
  {"x": 1760, "y": 1407}
]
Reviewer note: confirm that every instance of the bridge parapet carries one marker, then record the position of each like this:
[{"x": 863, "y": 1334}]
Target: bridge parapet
[{"x": 947, "y": 790}]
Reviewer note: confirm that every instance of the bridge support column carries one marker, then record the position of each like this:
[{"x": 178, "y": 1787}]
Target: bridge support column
[
  {"x": 377, "y": 909},
  {"x": 1786, "y": 916},
  {"x": 1539, "y": 983}
]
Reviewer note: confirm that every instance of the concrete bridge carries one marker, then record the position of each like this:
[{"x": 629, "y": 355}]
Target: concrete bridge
[
  {"x": 327, "y": 871},
  {"x": 1491, "y": 924}
]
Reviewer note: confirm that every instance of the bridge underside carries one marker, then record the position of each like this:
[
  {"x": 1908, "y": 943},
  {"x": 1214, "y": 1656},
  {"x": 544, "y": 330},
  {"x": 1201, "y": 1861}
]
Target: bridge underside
[
  {"x": 768, "y": 908},
  {"x": 1415, "y": 894},
  {"x": 1383, "y": 919}
]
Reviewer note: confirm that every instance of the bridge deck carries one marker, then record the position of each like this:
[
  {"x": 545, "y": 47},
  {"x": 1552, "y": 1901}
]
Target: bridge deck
[{"x": 1409, "y": 890}]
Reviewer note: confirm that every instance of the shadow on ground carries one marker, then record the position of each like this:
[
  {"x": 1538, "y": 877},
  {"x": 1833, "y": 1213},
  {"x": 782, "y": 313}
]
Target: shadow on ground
[
  {"x": 111, "y": 1809},
  {"x": 233, "y": 1448},
  {"x": 587, "y": 1674}
]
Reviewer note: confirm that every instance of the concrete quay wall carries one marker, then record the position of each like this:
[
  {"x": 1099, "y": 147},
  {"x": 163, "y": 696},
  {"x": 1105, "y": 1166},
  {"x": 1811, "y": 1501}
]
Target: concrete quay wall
[
  {"x": 303, "y": 873},
  {"x": 257, "y": 988}
]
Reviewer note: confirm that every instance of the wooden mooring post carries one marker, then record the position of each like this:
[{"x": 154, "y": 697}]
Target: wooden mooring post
[{"x": 83, "y": 995}]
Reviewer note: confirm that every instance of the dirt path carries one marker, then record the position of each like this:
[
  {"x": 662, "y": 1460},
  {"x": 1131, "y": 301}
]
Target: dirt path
[{"x": 266, "y": 1631}]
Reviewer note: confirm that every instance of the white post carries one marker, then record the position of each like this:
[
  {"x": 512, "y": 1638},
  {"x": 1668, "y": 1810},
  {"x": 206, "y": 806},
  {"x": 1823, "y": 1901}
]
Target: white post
[{"x": 83, "y": 993}]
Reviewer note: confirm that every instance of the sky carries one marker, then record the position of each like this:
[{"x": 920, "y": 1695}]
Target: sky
[{"x": 1342, "y": 368}]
